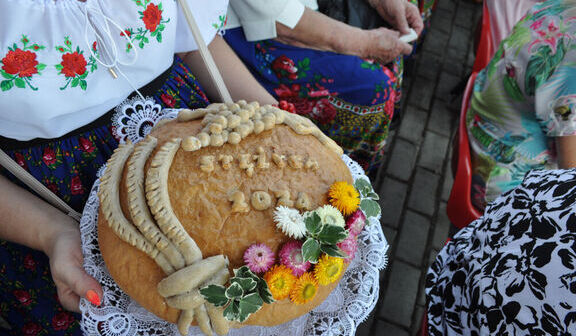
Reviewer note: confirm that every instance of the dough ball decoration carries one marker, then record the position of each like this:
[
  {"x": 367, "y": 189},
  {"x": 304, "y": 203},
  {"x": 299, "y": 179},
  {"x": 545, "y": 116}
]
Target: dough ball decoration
[{"x": 322, "y": 240}]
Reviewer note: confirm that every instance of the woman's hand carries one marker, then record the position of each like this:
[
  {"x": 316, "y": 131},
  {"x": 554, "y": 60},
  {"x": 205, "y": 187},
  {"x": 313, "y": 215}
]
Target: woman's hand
[
  {"x": 28, "y": 220},
  {"x": 383, "y": 45},
  {"x": 72, "y": 281},
  {"x": 401, "y": 14}
]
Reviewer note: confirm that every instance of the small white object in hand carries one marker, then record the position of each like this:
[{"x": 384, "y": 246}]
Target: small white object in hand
[{"x": 410, "y": 37}]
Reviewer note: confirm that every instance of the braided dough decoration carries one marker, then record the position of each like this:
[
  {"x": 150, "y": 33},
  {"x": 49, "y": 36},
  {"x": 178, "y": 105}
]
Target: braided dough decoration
[
  {"x": 139, "y": 211},
  {"x": 110, "y": 199},
  {"x": 159, "y": 202}
]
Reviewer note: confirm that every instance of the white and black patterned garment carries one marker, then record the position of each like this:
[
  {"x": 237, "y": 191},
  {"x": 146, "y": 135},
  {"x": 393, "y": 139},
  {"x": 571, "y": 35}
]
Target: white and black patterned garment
[{"x": 513, "y": 271}]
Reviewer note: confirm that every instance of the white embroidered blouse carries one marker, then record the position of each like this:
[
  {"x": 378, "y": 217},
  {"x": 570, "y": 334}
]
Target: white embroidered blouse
[{"x": 54, "y": 56}]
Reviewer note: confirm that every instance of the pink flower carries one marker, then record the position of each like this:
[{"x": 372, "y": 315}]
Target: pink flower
[
  {"x": 291, "y": 256},
  {"x": 259, "y": 258},
  {"x": 349, "y": 246},
  {"x": 355, "y": 223}
]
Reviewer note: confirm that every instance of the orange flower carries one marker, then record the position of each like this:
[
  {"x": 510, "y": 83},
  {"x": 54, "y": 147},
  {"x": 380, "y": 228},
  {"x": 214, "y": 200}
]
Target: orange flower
[
  {"x": 305, "y": 289},
  {"x": 280, "y": 280}
]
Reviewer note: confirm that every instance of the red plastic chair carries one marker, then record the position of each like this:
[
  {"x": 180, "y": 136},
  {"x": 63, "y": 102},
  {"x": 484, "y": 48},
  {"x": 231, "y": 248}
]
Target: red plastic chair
[
  {"x": 484, "y": 50},
  {"x": 460, "y": 210}
]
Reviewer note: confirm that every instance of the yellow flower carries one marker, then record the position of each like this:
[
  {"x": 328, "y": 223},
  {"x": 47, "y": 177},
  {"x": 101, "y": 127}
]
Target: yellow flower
[
  {"x": 280, "y": 280},
  {"x": 305, "y": 289},
  {"x": 344, "y": 196},
  {"x": 328, "y": 269}
]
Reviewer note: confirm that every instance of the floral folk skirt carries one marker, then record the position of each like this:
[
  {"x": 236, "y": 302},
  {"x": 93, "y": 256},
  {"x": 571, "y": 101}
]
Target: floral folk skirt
[
  {"x": 68, "y": 167},
  {"x": 352, "y": 100}
]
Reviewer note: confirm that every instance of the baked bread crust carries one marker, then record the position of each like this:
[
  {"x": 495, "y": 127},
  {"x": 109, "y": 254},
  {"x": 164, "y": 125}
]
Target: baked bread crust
[{"x": 200, "y": 183}]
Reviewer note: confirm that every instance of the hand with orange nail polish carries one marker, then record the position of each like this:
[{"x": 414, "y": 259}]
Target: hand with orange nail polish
[{"x": 71, "y": 279}]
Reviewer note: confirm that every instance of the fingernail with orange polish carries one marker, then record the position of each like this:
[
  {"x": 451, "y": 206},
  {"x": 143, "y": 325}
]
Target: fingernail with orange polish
[{"x": 93, "y": 297}]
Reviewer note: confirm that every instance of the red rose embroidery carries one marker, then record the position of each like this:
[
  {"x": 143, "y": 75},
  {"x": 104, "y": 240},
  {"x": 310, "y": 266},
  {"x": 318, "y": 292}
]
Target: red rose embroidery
[
  {"x": 49, "y": 156},
  {"x": 20, "y": 160},
  {"x": 31, "y": 329},
  {"x": 86, "y": 145},
  {"x": 168, "y": 100},
  {"x": 29, "y": 262},
  {"x": 151, "y": 17},
  {"x": 23, "y": 297},
  {"x": 62, "y": 321},
  {"x": 20, "y": 62},
  {"x": 73, "y": 64},
  {"x": 76, "y": 186},
  {"x": 284, "y": 67},
  {"x": 323, "y": 111}
]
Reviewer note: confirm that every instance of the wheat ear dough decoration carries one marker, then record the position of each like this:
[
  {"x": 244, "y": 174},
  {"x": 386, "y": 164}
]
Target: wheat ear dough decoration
[
  {"x": 159, "y": 202},
  {"x": 110, "y": 199},
  {"x": 138, "y": 208}
]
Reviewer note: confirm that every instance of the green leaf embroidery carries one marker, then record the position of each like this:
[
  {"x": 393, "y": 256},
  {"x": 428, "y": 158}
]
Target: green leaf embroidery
[
  {"x": 19, "y": 82},
  {"x": 6, "y": 85},
  {"x": 83, "y": 84},
  {"x": 40, "y": 67},
  {"x": 75, "y": 82},
  {"x": 6, "y": 75}
]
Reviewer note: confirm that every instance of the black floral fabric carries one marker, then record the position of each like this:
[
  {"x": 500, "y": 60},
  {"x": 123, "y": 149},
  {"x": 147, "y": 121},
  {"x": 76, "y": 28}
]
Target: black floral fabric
[{"x": 513, "y": 271}]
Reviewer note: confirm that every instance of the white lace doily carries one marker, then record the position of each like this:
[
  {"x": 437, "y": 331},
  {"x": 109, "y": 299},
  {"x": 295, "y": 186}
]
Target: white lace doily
[{"x": 347, "y": 306}]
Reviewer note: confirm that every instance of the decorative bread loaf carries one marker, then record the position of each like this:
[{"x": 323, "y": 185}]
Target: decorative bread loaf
[{"x": 195, "y": 208}]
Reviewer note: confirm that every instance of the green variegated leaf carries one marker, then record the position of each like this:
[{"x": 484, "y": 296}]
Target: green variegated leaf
[
  {"x": 363, "y": 186},
  {"x": 311, "y": 250},
  {"x": 232, "y": 312},
  {"x": 247, "y": 284},
  {"x": 333, "y": 251},
  {"x": 313, "y": 223},
  {"x": 371, "y": 208},
  {"x": 234, "y": 291},
  {"x": 264, "y": 291},
  {"x": 215, "y": 294},
  {"x": 332, "y": 234},
  {"x": 250, "y": 304}
]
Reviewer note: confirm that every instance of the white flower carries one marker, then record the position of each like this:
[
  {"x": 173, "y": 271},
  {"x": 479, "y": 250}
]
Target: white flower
[
  {"x": 290, "y": 221},
  {"x": 330, "y": 215}
]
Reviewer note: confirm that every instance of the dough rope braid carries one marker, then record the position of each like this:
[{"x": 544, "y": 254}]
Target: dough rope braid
[
  {"x": 139, "y": 212},
  {"x": 110, "y": 199},
  {"x": 232, "y": 122},
  {"x": 159, "y": 202}
]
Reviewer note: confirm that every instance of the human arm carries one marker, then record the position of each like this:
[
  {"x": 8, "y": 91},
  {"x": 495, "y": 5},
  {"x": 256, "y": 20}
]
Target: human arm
[
  {"x": 25, "y": 219},
  {"x": 566, "y": 151},
  {"x": 401, "y": 14},
  {"x": 238, "y": 80},
  {"x": 318, "y": 31}
]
